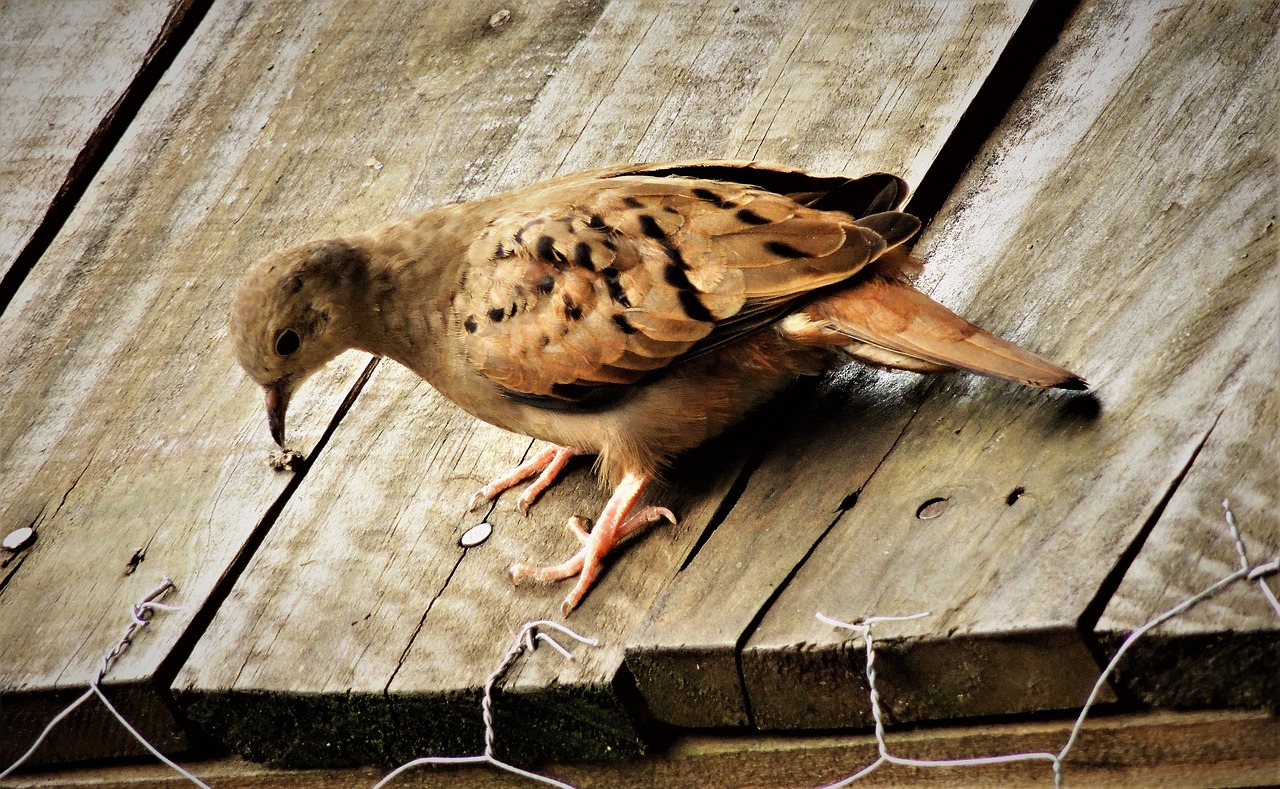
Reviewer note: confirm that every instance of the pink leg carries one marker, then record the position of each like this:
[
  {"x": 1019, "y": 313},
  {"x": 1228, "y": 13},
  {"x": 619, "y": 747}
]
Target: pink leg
[
  {"x": 547, "y": 464},
  {"x": 616, "y": 524}
]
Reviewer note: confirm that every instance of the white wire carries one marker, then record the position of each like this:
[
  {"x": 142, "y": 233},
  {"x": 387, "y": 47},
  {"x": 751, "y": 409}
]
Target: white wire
[
  {"x": 863, "y": 628},
  {"x": 140, "y": 616},
  {"x": 527, "y": 639}
]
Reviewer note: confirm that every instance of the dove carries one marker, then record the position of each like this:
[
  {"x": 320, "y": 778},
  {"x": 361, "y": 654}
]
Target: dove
[{"x": 630, "y": 313}]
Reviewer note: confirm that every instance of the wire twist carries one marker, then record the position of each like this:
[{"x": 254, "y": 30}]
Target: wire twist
[
  {"x": 526, "y": 640},
  {"x": 140, "y": 616}
]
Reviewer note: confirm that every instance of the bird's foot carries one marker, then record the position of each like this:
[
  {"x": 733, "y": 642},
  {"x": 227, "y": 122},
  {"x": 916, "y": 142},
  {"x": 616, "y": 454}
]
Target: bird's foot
[
  {"x": 585, "y": 564},
  {"x": 616, "y": 524},
  {"x": 547, "y": 464}
]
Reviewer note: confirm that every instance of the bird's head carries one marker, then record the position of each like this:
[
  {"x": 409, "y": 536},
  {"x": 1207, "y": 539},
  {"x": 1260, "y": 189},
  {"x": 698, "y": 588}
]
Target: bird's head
[{"x": 292, "y": 315}]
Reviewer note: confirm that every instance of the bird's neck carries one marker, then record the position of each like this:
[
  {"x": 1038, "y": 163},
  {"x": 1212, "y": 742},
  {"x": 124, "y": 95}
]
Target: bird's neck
[{"x": 414, "y": 265}]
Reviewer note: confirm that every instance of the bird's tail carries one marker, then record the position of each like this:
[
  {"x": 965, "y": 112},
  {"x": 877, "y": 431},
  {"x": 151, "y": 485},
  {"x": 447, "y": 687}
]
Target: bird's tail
[{"x": 883, "y": 321}]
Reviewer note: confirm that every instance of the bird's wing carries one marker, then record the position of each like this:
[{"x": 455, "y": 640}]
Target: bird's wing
[{"x": 623, "y": 276}]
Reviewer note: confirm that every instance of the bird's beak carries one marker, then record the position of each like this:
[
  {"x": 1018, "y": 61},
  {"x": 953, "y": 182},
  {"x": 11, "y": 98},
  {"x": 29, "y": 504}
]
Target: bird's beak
[{"x": 277, "y": 398}]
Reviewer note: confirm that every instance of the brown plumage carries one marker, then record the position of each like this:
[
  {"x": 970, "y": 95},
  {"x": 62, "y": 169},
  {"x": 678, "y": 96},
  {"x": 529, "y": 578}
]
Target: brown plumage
[{"x": 631, "y": 313}]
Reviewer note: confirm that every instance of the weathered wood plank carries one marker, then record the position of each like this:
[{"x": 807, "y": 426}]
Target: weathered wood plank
[
  {"x": 684, "y": 656},
  {"x": 1124, "y": 214},
  {"x": 1226, "y": 651},
  {"x": 283, "y": 667},
  {"x": 439, "y": 619},
  {"x": 128, "y": 431},
  {"x": 67, "y": 66},
  {"x": 1158, "y": 750}
]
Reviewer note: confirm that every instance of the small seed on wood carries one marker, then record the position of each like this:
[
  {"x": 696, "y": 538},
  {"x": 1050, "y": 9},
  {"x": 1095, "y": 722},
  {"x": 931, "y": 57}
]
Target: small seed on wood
[
  {"x": 285, "y": 460},
  {"x": 18, "y": 539},
  {"x": 475, "y": 535}
]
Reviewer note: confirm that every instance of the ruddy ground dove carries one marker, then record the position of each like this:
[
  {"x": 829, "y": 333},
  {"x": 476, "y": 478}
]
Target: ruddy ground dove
[{"x": 631, "y": 313}]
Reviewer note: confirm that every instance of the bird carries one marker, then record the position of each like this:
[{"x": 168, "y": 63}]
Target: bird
[{"x": 630, "y": 312}]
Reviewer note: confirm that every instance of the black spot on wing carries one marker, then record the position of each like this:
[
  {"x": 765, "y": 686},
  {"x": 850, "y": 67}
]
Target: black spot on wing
[
  {"x": 519, "y": 236},
  {"x": 631, "y": 202},
  {"x": 582, "y": 256},
  {"x": 623, "y": 324},
  {"x": 545, "y": 285},
  {"x": 674, "y": 275},
  {"x": 784, "y": 250},
  {"x": 750, "y": 217},
  {"x": 546, "y": 249},
  {"x": 611, "y": 281},
  {"x": 649, "y": 226},
  {"x": 693, "y": 307},
  {"x": 572, "y": 310},
  {"x": 470, "y": 324},
  {"x": 496, "y": 314},
  {"x": 703, "y": 193}
]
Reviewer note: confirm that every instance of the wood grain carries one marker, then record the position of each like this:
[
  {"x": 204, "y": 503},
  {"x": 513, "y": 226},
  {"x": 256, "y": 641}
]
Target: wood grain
[
  {"x": 684, "y": 656},
  {"x": 67, "y": 67},
  {"x": 1132, "y": 240},
  {"x": 787, "y": 82}
]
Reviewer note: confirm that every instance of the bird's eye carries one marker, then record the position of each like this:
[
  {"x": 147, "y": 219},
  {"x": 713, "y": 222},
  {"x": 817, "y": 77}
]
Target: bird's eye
[{"x": 287, "y": 342}]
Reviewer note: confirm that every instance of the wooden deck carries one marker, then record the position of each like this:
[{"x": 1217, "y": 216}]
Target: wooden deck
[{"x": 1101, "y": 182}]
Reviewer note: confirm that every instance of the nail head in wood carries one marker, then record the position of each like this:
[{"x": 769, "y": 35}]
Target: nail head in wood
[
  {"x": 932, "y": 509},
  {"x": 475, "y": 535},
  {"x": 18, "y": 539}
]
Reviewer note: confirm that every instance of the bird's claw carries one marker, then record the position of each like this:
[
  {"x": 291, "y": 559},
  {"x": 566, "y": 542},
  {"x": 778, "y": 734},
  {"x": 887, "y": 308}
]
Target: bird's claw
[
  {"x": 655, "y": 514},
  {"x": 526, "y": 500},
  {"x": 478, "y": 499}
]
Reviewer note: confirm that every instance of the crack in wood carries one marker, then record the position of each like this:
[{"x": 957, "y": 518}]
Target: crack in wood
[
  {"x": 70, "y": 488},
  {"x": 413, "y": 637},
  {"x": 756, "y": 457},
  {"x": 18, "y": 561},
  {"x": 404, "y": 654},
  {"x": 1012, "y": 72},
  {"x": 773, "y": 596},
  {"x": 186, "y": 643},
  {"x": 1093, "y": 611},
  {"x": 182, "y": 21}
]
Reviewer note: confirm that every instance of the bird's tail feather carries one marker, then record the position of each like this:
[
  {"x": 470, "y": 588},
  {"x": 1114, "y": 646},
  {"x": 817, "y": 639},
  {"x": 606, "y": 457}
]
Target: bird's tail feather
[{"x": 885, "y": 322}]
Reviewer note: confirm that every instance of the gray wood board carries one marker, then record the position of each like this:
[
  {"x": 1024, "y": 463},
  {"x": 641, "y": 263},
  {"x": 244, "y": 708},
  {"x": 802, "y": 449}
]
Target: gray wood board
[
  {"x": 1122, "y": 222},
  {"x": 685, "y": 654},
  {"x": 66, "y": 66},
  {"x": 387, "y": 622},
  {"x": 129, "y": 437},
  {"x": 1225, "y": 652}
]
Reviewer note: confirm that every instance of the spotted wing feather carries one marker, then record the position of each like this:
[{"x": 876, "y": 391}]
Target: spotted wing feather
[{"x": 628, "y": 275}]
